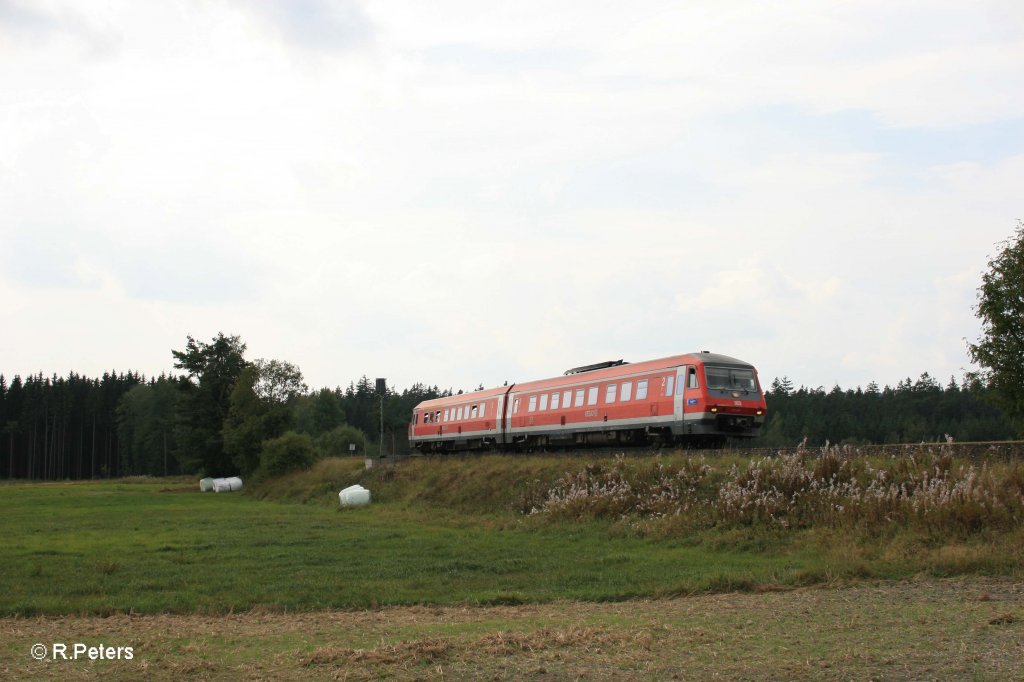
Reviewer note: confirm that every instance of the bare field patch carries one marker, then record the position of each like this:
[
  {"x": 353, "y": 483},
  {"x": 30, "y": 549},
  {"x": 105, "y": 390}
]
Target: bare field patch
[{"x": 971, "y": 628}]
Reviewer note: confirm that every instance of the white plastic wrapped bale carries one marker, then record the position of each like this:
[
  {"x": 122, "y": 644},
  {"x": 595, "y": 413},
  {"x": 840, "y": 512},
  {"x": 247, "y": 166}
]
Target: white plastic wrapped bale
[
  {"x": 227, "y": 485},
  {"x": 354, "y": 496},
  {"x": 205, "y": 485}
]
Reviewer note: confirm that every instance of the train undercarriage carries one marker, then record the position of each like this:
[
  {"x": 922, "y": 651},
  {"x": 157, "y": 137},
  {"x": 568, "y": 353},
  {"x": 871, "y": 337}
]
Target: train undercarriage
[{"x": 650, "y": 437}]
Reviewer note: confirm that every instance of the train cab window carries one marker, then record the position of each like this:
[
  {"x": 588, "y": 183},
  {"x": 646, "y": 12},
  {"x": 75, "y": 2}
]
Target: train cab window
[
  {"x": 515, "y": 407},
  {"x": 437, "y": 416},
  {"x": 691, "y": 377},
  {"x": 627, "y": 391},
  {"x": 579, "y": 398},
  {"x": 476, "y": 411},
  {"x": 592, "y": 395},
  {"x": 729, "y": 378},
  {"x": 554, "y": 401},
  {"x": 641, "y": 389},
  {"x": 566, "y": 400},
  {"x": 668, "y": 386},
  {"x": 543, "y": 402},
  {"x": 609, "y": 393},
  {"x": 415, "y": 419},
  {"x": 532, "y": 407}
]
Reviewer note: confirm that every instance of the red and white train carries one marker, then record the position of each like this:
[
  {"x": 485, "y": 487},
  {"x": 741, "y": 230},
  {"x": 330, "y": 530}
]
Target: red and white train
[{"x": 698, "y": 398}]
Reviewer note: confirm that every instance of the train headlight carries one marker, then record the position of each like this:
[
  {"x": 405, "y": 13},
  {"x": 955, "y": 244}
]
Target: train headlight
[
  {"x": 714, "y": 409},
  {"x": 760, "y": 412}
]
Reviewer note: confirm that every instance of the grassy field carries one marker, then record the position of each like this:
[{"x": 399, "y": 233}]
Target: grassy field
[
  {"x": 102, "y": 548},
  {"x": 540, "y": 567},
  {"x": 964, "y": 629}
]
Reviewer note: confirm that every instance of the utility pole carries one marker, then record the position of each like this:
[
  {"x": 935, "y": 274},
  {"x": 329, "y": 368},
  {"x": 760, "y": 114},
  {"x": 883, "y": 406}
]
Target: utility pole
[{"x": 381, "y": 390}]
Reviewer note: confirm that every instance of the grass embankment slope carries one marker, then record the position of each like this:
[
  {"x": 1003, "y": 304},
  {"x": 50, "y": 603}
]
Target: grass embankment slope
[{"x": 835, "y": 512}]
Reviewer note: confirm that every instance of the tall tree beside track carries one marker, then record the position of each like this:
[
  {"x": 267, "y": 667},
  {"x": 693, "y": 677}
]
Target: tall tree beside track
[
  {"x": 261, "y": 408},
  {"x": 1000, "y": 351},
  {"x": 212, "y": 370}
]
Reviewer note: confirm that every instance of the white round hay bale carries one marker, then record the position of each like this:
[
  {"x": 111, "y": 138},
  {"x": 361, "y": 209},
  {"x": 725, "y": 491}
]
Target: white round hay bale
[
  {"x": 205, "y": 485},
  {"x": 221, "y": 485},
  {"x": 234, "y": 483},
  {"x": 354, "y": 496}
]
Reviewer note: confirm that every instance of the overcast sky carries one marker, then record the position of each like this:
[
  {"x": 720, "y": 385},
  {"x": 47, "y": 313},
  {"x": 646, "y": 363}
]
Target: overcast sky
[{"x": 473, "y": 192}]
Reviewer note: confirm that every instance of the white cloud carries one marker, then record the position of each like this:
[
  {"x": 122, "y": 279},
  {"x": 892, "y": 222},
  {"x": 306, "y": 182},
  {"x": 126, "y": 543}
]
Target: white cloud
[{"x": 455, "y": 193}]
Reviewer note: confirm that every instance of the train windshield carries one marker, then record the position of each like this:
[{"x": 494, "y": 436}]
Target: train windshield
[{"x": 730, "y": 379}]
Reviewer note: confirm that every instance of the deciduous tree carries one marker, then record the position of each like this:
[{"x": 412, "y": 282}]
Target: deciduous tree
[
  {"x": 1000, "y": 350},
  {"x": 212, "y": 370}
]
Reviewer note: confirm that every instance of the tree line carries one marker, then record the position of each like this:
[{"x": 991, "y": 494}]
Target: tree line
[
  {"x": 62, "y": 427},
  {"x": 910, "y": 412},
  {"x": 224, "y": 414}
]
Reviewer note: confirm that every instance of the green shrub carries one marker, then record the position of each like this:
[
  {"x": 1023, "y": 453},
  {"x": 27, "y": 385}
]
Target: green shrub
[
  {"x": 335, "y": 443},
  {"x": 287, "y": 453}
]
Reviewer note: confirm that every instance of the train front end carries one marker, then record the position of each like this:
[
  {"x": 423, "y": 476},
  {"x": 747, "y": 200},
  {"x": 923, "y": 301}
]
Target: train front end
[{"x": 722, "y": 399}]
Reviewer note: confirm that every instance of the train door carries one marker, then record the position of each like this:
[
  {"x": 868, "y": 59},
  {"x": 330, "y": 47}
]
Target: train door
[
  {"x": 677, "y": 400},
  {"x": 506, "y": 416}
]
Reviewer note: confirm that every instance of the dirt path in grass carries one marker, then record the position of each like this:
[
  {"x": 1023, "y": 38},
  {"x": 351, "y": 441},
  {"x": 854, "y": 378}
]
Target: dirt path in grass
[{"x": 969, "y": 628}]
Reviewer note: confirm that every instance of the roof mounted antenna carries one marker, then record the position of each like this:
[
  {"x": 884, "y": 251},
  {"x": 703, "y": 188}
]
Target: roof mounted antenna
[{"x": 591, "y": 368}]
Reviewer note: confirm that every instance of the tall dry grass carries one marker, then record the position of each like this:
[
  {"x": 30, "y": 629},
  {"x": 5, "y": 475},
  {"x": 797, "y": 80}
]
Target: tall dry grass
[{"x": 835, "y": 487}]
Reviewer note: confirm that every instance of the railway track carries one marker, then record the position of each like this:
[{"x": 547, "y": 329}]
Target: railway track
[{"x": 968, "y": 450}]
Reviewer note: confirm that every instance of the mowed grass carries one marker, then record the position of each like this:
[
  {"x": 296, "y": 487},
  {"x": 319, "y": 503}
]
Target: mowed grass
[
  {"x": 163, "y": 547},
  {"x": 970, "y": 629}
]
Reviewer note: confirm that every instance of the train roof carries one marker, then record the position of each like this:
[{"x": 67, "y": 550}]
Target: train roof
[
  {"x": 611, "y": 372},
  {"x": 463, "y": 398},
  {"x": 628, "y": 369}
]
